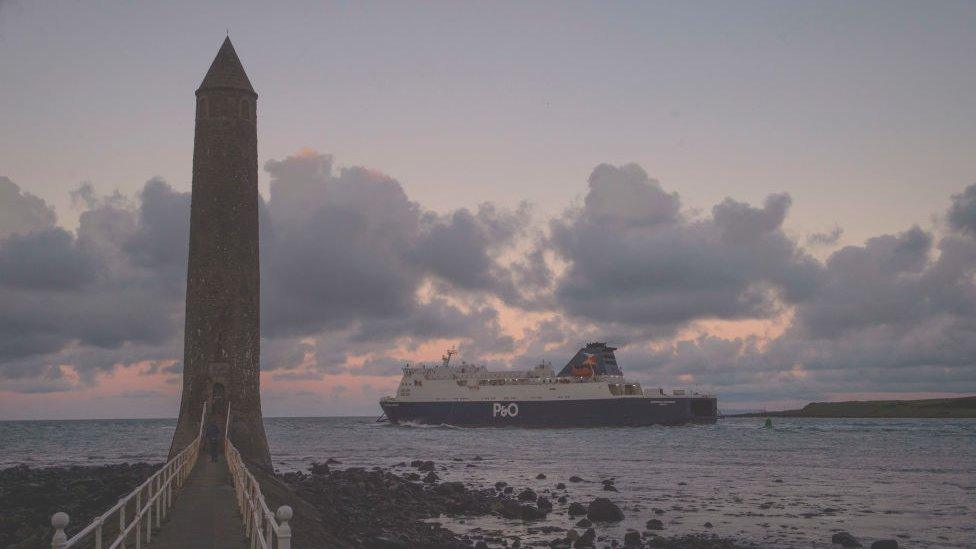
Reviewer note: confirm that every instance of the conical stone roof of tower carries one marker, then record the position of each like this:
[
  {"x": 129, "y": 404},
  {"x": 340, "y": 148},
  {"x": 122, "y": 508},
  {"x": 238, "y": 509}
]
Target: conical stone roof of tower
[{"x": 226, "y": 71}]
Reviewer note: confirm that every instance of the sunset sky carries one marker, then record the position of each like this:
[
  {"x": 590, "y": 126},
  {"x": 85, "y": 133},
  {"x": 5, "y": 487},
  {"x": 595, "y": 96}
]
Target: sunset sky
[{"x": 775, "y": 202}]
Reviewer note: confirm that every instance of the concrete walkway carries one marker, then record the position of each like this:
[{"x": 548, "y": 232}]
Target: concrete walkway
[{"x": 204, "y": 513}]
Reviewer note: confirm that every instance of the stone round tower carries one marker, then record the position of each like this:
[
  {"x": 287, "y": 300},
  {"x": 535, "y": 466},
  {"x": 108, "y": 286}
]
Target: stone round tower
[{"x": 222, "y": 343}]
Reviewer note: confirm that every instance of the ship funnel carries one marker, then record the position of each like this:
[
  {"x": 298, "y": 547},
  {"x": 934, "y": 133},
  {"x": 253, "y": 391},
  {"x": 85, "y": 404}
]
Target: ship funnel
[{"x": 596, "y": 357}]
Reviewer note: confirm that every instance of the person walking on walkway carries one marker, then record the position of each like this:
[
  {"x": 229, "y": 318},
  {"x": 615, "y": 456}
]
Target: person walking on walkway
[{"x": 213, "y": 440}]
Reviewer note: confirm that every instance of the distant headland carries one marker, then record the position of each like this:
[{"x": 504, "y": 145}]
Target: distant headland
[{"x": 962, "y": 407}]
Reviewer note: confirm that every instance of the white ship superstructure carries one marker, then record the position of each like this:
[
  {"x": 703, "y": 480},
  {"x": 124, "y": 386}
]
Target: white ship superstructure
[{"x": 467, "y": 382}]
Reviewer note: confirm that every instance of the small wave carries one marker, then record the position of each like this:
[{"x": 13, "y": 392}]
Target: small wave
[{"x": 416, "y": 425}]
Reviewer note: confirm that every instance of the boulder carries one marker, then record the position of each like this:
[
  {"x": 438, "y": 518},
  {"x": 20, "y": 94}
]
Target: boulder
[
  {"x": 431, "y": 478},
  {"x": 844, "y": 539},
  {"x": 632, "y": 539},
  {"x": 527, "y": 495},
  {"x": 575, "y": 478},
  {"x": 654, "y": 524},
  {"x": 512, "y": 509},
  {"x": 449, "y": 488},
  {"x": 584, "y": 523},
  {"x": 609, "y": 488},
  {"x": 540, "y": 476},
  {"x": 885, "y": 544},
  {"x": 576, "y": 509},
  {"x": 532, "y": 513},
  {"x": 586, "y": 540},
  {"x": 319, "y": 468},
  {"x": 604, "y": 510},
  {"x": 560, "y": 486},
  {"x": 499, "y": 485},
  {"x": 544, "y": 504}
]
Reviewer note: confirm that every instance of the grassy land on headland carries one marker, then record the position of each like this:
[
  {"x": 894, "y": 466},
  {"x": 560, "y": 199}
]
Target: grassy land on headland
[{"x": 964, "y": 407}]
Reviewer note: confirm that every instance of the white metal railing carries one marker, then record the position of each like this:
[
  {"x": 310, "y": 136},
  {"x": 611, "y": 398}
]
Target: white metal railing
[
  {"x": 260, "y": 524},
  {"x": 152, "y": 500}
]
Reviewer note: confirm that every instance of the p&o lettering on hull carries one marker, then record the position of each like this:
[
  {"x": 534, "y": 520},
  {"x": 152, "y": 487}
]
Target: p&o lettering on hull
[{"x": 504, "y": 410}]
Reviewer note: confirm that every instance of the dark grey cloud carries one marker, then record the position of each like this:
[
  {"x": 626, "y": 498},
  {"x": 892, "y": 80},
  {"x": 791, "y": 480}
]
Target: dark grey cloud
[
  {"x": 346, "y": 258},
  {"x": 962, "y": 212},
  {"x": 353, "y": 272},
  {"x": 46, "y": 259},
  {"x": 462, "y": 248},
  {"x": 871, "y": 285},
  {"x": 633, "y": 258},
  {"x": 22, "y": 212},
  {"x": 896, "y": 314},
  {"x": 161, "y": 239},
  {"x": 59, "y": 290},
  {"x": 825, "y": 239},
  {"x": 336, "y": 248},
  {"x": 347, "y": 249}
]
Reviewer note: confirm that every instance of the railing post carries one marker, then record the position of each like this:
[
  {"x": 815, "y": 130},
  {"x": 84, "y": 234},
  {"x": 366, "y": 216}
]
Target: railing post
[
  {"x": 284, "y": 529},
  {"x": 159, "y": 499},
  {"x": 122, "y": 523},
  {"x": 149, "y": 511},
  {"x": 255, "y": 531},
  {"x": 169, "y": 492},
  {"x": 59, "y": 521},
  {"x": 138, "y": 519},
  {"x": 98, "y": 533}
]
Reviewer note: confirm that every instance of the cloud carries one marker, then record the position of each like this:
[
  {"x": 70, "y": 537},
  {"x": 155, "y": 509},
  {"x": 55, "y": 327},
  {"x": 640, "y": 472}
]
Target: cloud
[
  {"x": 60, "y": 290},
  {"x": 897, "y": 314},
  {"x": 462, "y": 248},
  {"x": 634, "y": 259},
  {"x": 347, "y": 268},
  {"x": 962, "y": 212},
  {"x": 348, "y": 251},
  {"x": 357, "y": 277},
  {"x": 825, "y": 239},
  {"x": 21, "y": 212}
]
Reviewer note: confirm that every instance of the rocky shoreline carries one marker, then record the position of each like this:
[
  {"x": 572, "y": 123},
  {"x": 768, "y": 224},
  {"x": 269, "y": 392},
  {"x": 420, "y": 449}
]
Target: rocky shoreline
[
  {"x": 380, "y": 509},
  {"x": 393, "y": 508},
  {"x": 29, "y": 496}
]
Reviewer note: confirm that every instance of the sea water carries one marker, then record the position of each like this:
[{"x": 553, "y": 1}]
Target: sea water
[{"x": 793, "y": 485}]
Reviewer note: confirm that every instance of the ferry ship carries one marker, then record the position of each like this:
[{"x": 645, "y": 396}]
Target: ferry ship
[{"x": 589, "y": 391}]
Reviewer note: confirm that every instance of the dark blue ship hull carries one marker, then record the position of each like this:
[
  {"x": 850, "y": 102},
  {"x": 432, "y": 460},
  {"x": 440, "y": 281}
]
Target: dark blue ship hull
[{"x": 609, "y": 412}]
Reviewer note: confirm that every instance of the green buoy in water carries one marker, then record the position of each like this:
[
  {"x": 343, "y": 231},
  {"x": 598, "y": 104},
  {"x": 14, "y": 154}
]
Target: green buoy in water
[{"x": 768, "y": 424}]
